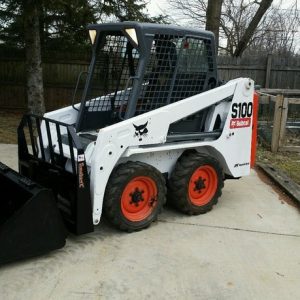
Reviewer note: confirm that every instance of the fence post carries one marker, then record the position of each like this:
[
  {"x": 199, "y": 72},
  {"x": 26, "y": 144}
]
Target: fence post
[
  {"x": 268, "y": 71},
  {"x": 284, "y": 114},
  {"x": 277, "y": 123}
]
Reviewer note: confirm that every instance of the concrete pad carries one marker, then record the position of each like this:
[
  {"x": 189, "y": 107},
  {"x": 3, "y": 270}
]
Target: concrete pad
[
  {"x": 247, "y": 247},
  {"x": 248, "y": 204}
]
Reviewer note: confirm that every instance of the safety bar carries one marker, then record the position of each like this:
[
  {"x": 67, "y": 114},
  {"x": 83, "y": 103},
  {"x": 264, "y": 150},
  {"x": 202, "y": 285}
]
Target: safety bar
[
  {"x": 34, "y": 124},
  {"x": 76, "y": 88}
]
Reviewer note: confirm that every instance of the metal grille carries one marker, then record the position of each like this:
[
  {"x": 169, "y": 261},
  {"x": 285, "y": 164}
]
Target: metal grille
[
  {"x": 177, "y": 69},
  {"x": 45, "y": 139},
  {"x": 116, "y": 62},
  {"x": 265, "y": 119}
]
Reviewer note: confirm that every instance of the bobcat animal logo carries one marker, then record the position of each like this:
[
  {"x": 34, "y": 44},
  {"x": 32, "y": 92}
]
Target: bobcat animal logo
[{"x": 141, "y": 130}]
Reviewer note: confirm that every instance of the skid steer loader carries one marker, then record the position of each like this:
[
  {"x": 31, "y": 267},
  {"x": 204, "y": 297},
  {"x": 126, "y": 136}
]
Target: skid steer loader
[{"x": 153, "y": 123}]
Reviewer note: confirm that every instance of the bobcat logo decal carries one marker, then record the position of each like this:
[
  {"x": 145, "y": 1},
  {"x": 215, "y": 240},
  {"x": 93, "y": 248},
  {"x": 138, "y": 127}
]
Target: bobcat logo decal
[{"x": 141, "y": 131}]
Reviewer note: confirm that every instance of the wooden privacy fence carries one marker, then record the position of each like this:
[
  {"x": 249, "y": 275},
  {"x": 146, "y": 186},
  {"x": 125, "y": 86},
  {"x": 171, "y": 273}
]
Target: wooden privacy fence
[
  {"x": 60, "y": 71},
  {"x": 59, "y": 76},
  {"x": 267, "y": 71},
  {"x": 283, "y": 100}
]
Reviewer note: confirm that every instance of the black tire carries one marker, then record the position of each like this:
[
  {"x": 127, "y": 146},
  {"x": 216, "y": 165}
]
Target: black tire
[
  {"x": 124, "y": 192},
  {"x": 183, "y": 191}
]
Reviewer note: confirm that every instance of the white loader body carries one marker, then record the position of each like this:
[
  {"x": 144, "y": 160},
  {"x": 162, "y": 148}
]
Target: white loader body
[{"x": 122, "y": 142}]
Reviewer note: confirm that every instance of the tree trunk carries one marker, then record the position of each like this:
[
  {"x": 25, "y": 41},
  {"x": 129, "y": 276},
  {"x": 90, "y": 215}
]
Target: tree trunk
[
  {"x": 242, "y": 45},
  {"x": 213, "y": 15},
  {"x": 35, "y": 90}
]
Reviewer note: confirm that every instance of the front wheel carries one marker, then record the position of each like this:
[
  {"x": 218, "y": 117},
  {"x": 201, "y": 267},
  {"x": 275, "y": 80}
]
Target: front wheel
[
  {"x": 134, "y": 196},
  {"x": 196, "y": 183}
]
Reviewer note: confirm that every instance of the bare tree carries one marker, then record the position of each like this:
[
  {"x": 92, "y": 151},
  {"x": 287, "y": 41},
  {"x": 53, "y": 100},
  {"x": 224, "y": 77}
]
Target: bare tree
[
  {"x": 240, "y": 20},
  {"x": 235, "y": 19},
  {"x": 192, "y": 12},
  {"x": 275, "y": 33},
  {"x": 213, "y": 16},
  {"x": 35, "y": 91},
  {"x": 278, "y": 32},
  {"x": 263, "y": 7}
]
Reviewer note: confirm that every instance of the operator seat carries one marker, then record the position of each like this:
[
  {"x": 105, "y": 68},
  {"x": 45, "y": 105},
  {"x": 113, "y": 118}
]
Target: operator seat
[{"x": 159, "y": 80}]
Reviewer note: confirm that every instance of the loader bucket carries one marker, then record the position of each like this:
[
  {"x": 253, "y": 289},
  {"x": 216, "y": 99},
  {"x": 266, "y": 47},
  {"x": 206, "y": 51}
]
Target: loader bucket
[{"x": 30, "y": 223}]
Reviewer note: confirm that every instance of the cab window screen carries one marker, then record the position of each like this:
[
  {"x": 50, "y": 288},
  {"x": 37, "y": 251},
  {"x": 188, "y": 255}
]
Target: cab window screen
[{"x": 116, "y": 62}]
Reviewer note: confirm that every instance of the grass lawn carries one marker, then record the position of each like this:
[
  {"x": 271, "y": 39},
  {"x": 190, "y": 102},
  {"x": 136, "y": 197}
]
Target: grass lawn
[
  {"x": 289, "y": 162},
  {"x": 286, "y": 161}
]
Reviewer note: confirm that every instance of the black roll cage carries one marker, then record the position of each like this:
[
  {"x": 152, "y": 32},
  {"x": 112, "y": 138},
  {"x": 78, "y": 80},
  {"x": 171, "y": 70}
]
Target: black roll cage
[{"x": 145, "y": 33}]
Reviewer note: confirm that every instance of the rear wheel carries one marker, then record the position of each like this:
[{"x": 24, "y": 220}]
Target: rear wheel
[
  {"x": 134, "y": 196},
  {"x": 196, "y": 183}
]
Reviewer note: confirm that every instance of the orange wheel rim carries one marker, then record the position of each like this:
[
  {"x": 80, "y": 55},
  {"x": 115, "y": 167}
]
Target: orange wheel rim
[
  {"x": 203, "y": 185},
  {"x": 139, "y": 198}
]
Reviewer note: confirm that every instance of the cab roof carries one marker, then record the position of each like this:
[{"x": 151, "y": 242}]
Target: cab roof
[{"x": 151, "y": 28}]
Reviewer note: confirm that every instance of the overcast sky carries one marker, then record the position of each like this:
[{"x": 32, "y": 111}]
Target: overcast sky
[{"x": 155, "y": 7}]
